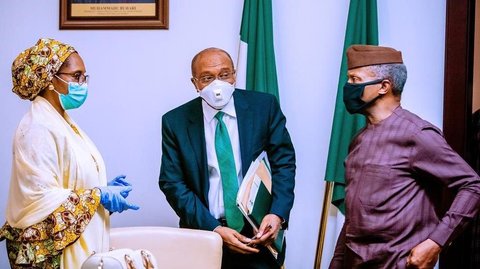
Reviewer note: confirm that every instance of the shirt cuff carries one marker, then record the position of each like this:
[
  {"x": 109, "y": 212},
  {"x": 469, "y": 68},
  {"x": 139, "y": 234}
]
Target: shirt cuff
[{"x": 441, "y": 234}]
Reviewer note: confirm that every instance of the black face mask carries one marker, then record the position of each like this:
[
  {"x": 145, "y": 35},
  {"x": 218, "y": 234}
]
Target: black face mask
[{"x": 352, "y": 96}]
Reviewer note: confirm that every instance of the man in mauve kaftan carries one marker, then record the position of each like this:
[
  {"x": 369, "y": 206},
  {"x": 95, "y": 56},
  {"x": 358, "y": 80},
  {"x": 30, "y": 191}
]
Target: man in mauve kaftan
[{"x": 394, "y": 171}]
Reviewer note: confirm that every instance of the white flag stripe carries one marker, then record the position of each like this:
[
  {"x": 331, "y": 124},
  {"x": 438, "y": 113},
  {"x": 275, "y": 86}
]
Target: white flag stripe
[
  {"x": 242, "y": 66},
  {"x": 333, "y": 229}
]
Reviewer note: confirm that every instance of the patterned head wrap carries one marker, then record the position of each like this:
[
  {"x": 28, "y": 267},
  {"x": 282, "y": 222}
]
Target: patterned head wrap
[{"x": 34, "y": 68}]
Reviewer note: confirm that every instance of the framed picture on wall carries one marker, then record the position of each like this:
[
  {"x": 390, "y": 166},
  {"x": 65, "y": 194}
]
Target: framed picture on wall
[{"x": 113, "y": 14}]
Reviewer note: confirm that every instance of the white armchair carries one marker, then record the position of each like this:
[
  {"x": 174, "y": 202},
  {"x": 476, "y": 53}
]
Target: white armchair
[{"x": 174, "y": 248}]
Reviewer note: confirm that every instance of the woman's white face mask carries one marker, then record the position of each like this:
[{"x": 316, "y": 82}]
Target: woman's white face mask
[{"x": 217, "y": 94}]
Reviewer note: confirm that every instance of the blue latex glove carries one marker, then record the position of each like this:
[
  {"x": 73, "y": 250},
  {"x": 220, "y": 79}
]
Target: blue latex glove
[
  {"x": 113, "y": 198},
  {"x": 119, "y": 181}
]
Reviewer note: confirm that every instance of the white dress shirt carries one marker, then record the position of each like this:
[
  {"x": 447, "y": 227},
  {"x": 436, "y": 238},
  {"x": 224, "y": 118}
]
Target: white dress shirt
[{"x": 215, "y": 191}]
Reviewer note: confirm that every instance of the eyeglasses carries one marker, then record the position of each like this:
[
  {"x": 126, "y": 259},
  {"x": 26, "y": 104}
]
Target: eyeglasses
[
  {"x": 78, "y": 77},
  {"x": 225, "y": 75}
]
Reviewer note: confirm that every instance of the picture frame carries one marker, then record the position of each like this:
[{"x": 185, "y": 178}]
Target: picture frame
[{"x": 113, "y": 14}]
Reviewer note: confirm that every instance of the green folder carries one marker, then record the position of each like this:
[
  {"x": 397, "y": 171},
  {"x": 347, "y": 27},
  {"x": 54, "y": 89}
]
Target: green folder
[
  {"x": 261, "y": 207},
  {"x": 259, "y": 201},
  {"x": 262, "y": 204}
]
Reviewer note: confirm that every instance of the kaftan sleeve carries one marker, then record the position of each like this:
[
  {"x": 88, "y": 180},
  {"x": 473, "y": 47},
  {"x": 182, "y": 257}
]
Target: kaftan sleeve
[
  {"x": 433, "y": 158},
  {"x": 44, "y": 214},
  {"x": 44, "y": 241},
  {"x": 38, "y": 182}
]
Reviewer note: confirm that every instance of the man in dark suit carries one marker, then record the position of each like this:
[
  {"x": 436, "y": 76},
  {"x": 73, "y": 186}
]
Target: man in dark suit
[{"x": 196, "y": 164}]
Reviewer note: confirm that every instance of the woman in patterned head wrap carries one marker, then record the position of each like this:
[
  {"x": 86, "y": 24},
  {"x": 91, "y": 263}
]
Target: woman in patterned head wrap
[{"x": 58, "y": 193}]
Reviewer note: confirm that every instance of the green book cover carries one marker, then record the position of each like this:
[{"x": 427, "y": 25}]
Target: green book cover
[
  {"x": 254, "y": 199},
  {"x": 261, "y": 207}
]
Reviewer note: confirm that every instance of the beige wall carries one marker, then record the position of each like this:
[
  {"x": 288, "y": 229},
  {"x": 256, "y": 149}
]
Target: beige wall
[{"x": 476, "y": 59}]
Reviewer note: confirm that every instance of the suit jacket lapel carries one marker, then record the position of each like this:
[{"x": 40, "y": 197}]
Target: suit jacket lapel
[
  {"x": 245, "y": 127},
  {"x": 196, "y": 135}
]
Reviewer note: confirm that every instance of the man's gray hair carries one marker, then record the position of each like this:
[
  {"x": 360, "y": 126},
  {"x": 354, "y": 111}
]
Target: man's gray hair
[{"x": 395, "y": 73}]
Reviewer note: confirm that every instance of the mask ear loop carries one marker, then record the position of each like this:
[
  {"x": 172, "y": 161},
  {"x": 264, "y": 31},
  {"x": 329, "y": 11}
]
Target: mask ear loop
[
  {"x": 64, "y": 81},
  {"x": 383, "y": 92},
  {"x": 52, "y": 88}
]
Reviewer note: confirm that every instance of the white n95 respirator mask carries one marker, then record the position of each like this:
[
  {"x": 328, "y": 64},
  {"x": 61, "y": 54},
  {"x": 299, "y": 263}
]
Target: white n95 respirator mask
[{"x": 217, "y": 94}]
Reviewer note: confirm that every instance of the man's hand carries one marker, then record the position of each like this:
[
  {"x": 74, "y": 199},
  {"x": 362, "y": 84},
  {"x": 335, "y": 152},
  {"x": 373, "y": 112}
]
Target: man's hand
[
  {"x": 235, "y": 241},
  {"x": 268, "y": 230},
  {"x": 424, "y": 255}
]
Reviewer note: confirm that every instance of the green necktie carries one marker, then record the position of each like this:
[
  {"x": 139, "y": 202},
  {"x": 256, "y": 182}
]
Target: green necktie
[{"x": 228, "y": 174}]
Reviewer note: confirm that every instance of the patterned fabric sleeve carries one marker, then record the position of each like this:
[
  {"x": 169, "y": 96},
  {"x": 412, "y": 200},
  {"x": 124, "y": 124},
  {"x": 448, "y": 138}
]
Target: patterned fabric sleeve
[{"x": 41, "y": 244}]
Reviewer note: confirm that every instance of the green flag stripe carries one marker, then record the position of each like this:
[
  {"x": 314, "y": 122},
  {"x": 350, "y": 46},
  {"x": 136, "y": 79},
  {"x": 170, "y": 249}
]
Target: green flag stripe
[
  {"x": 362, "y": 28},
  {"x": 257, "y": 31}
]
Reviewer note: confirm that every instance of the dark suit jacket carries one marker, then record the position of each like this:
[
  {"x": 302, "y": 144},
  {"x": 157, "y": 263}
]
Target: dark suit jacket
[{"x": 184, "y": 174}]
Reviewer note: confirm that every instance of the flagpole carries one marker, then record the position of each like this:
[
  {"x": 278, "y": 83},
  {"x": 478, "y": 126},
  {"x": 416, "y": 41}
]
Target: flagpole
[{"x": 323, "y": 223}]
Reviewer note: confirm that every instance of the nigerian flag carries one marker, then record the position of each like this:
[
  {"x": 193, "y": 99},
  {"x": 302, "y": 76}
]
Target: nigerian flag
[
  {"x": 362, "y": 28},
  {"x": 256, "y": 57}
]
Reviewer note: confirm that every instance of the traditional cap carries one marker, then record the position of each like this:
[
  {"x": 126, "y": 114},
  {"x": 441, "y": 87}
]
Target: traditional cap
[
  {"x": 365, "y": 55},
  {"x": 34, "y": 68}
]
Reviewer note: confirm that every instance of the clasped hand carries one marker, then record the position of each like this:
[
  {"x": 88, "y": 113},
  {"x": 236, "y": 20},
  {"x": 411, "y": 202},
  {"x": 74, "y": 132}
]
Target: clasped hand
[
  {"x": 239, "y": 243},
  {"x": 268, "y": 230},
  {"x": 113, "y": 196}
]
